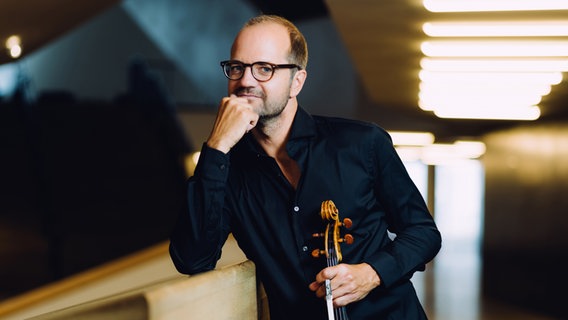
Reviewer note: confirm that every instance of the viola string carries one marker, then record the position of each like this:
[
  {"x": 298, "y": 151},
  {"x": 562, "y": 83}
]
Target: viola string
[{"x": 332, "y": 260}]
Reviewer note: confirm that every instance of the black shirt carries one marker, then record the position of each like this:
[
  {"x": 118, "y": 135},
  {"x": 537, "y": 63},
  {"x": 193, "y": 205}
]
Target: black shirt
[{"x": 350, "y": 162}]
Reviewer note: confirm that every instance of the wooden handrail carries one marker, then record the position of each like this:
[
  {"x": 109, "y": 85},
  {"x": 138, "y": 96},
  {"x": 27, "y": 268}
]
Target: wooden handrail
[
  {"x": 53, "y": 289},
  {"x": 225, "y": 293},
  {"x": 231, "y": 254}
]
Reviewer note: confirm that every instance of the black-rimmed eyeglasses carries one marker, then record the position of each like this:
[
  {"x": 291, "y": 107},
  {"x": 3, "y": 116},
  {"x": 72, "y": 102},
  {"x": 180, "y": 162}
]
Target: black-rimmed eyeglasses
[{"x": 261, "y": 71}]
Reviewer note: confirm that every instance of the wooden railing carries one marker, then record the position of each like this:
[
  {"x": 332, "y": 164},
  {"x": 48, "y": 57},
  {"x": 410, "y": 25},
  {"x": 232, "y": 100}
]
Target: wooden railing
[
  {"x": 147, "y": 286},
  {"x": 225, "y": 293}
]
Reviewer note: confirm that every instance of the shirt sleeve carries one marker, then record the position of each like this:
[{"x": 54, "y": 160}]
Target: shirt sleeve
[
  {"x": 202, "y": 227},
  {"x": 417, "y": 239}
]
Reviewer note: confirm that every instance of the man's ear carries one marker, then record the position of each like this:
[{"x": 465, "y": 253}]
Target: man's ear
[{"x": 298, "y": 82}]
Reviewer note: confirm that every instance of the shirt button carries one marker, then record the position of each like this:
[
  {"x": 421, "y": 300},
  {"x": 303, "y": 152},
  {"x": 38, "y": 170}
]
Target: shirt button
[
  {"x": 296, "y": 208},
  {"x": 222, "y": 167},
  {"x": 305, "y": 248}
]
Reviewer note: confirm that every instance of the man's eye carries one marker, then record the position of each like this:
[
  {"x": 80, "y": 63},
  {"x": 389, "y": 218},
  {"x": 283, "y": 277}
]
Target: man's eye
[
  {"x": 266, "y": 69},
  {"x": 236, "y": 68}
]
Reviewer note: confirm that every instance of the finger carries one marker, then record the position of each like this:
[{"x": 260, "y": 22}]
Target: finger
[
  {"x": 343, "y": 300},
  {"x": 236, "y": 98},
  {"x": 326, "y": 274},
  {"x": 314, "y": 286},
  {"x": 318, "y": 289}
]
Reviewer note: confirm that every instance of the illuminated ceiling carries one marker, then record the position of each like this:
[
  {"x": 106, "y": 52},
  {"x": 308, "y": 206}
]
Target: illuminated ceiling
[{"x": 384, "y": 39}]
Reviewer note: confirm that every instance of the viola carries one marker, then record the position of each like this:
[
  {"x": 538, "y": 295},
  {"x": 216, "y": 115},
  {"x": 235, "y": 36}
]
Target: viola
[{"x": 332, "y": 239}]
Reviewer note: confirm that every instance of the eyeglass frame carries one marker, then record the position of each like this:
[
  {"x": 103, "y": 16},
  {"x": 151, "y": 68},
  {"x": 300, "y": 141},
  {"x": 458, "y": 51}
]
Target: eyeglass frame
[{"x": 245, "y": 65}]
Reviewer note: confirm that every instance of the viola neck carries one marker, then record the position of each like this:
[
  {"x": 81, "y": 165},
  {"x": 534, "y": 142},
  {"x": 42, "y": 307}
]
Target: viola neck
[{"x": 339, "y": 313}]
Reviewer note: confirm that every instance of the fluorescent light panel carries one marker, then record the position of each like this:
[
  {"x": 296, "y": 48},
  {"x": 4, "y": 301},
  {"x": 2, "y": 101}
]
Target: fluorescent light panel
[
  {"x": 497, "y": 29},
  {"x": 495, "y": 64},
  {"x": 430, "y": 101},
  {"x": 409, "y": 153},
  {"x": 470, "y": 149},
  {"x": 551, "y": 78},
  {"x": 482, "y": 108},
  {"x": 488, "y": 48},
  {"x": 482, "y": 88},
  {"x": 498, "y": 113},
  {"x": 491, "y": 78},
  {"x": 493, "y": 5},
  {"x": 404, "y": 138},
  {"x": 439, "y": 153}
]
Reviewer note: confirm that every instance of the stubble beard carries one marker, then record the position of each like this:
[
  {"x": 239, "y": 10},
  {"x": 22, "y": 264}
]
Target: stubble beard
[
  {"x": 270, "y": 110},
  {"x": 270, "y": 115}
]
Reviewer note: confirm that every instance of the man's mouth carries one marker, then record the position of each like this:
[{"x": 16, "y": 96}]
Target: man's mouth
[
  {"x": 245, "y": 93},
  {"x": 248, "y": 95}
]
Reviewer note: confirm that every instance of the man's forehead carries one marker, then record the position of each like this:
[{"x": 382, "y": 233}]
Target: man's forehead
[
  {"x": 268, "y": 30},
  {"x": 266, "y": 37}
]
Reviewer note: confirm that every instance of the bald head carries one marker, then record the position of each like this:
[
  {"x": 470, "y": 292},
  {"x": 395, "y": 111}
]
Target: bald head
[{"x": 297, "y": 51}]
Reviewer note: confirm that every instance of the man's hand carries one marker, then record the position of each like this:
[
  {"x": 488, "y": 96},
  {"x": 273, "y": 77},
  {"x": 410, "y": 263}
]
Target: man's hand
[
  {"x": 235, "y": 117},
  {"x": 349, "y": 282}
]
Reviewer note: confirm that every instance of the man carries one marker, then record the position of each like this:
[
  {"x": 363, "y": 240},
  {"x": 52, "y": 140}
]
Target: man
[{"x": 264, "y": 172}]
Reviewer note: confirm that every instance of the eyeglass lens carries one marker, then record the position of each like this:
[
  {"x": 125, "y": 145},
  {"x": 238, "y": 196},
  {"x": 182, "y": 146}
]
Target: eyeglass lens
[{"x": 260, "y": 71}]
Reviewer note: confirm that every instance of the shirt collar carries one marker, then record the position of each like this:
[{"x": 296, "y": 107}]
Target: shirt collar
[{"x": 303, "y": 125}]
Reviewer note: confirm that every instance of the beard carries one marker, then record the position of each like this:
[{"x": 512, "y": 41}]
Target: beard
[
  {"x": 271, "y": 108},
  {"x": 269, "y": 115}
]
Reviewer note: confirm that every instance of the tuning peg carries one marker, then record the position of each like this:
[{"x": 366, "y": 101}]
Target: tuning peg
[
  {"x": 347, "y": 223},
  {"x": 317, "y": 252},
  {"x": 347, "y": 239}
]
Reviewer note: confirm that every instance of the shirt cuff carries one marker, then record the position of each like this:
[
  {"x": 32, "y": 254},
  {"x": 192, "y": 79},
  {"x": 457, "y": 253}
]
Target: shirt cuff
[
  {"x": 212, "y": 164},
  {"x": 386, "y": 267}
]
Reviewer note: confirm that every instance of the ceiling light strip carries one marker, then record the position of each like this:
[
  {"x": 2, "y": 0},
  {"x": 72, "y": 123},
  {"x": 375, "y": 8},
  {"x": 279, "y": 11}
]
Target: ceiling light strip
[
  {"x": 551, "y": 78},
  {"x": 497, "y": 65},
  {"x": 497, "y": 29},
  {"x": 441, "y": 48},
  {"x": 409, "y": 138},
  {"x": 530, "y": 113},
  {"x": 493, "y": 5},
  {"x": 474, "y": 100},
  {"x": 466, "y": 102},
  {"x": 444, "y": 88}
]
